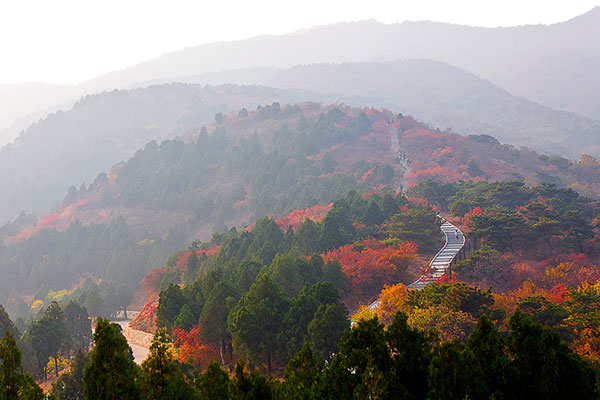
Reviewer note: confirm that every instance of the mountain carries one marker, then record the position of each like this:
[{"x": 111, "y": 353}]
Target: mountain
[
  {"x": 443, "y": 95},
  {"x": 449, "y": 97},
  {"x": 240, "y": 168},
  {"x": 555, "y": 65},
  {"x": 22, "y": 104},
  {"x": 68, "y": 148},
  {"x": 71, "y": 147}
]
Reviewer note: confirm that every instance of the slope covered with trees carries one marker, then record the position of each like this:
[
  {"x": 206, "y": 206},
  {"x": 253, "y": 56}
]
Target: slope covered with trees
[
  {"x": 241, "y": 167},
  {"x": 448, "y": 97},
  {"x": 300, "y": 281},
  {"x": 272, "y": 160},
  {"x": 70, "y": 147},
  {"x": 533, "y": 248}
]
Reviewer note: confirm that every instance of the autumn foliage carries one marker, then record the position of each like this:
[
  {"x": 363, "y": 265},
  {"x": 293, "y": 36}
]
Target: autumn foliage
[
  {"x": 192, "y": 349},
  {"x": 297, "y": 217},
  {"x": 369, "y": 264},
  {"x": 146, "y": 319}
]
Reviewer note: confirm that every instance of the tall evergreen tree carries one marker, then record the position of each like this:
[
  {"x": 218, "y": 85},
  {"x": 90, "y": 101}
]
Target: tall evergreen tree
[
  {"x": 411, "y": 350},
  {"x": 49, "y": 336},
  {"x": 111, "y": 373},
  {"x": 303, "y": 375},
  {"x": 160, "y": 377},
  {"x": 191, "y": 268},
  {"x": 547, "y": 368},
  {"x": 454, "y": 374},
  {"x": 213, "y": 384},
  {"x": 363, "y": 359},
  {"x": 214, "y": 316},
  {"x": 491, "y": 356},
  {"x": 330, "y": 321},
  {"x": 249, "y": 386},
  {"x": 6, "y": 323},
  {"x": 15, "y": 384},
  {"x": 78, "y": 325},
  {"x": 255, "y": 321}
]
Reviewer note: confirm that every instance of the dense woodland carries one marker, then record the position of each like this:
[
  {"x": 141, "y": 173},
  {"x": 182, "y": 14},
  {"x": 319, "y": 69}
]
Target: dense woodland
[
  {"x": 241, "y": 168},
  {"x": 261, "y": 233},
  {"x": 276, "y": 298},
  {"x": 108, "y": 232},
  {"x": 258, "y": 319}
]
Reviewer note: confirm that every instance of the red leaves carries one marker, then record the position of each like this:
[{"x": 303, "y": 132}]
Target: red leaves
[
  {"x": 438, "y": 173},
  {"x": 467, "y": 218},
  {"x": 297, "y": 217},
  {"x": 365, "y": 177},
  {"x": 152, "y": 281},
  {"x": 146, "y": 319},
  {"x": 370, "y": 264}
]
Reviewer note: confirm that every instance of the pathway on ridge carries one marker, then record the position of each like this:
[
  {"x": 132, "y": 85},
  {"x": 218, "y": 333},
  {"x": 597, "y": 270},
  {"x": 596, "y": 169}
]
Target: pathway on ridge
[{"x": 455, "y": 240}]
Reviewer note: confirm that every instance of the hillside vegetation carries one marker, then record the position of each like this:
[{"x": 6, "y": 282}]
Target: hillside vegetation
[
  {"x": 242, "y": 167},
  {"x": 71, "y": 147}
]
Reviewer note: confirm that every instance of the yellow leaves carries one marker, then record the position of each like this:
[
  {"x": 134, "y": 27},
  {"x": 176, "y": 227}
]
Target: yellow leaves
[
  {"x": 450, "y": 324},
  {"x": 587, "y": 344},
  {"x": 559, "y": 274},
  {"x": 588, "y": 289},
  {"x": 392, "y": 299},
  {"x": 37, "y": 306},
  {"x": 363, "y": 314},
  {"x": 58, "y": 295}
]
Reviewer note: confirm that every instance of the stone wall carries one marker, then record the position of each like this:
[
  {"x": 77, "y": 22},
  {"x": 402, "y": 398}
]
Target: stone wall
[{"x": 140, "y": 338}]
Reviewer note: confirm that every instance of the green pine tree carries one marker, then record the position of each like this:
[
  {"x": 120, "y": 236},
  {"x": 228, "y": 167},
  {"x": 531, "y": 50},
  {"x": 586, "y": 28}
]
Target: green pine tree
[{"x": 111, "y": 373}]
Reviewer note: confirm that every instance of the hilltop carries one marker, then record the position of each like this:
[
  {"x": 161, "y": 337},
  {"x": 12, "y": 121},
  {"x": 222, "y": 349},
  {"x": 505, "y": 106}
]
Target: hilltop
[
  {"x": 71, "y": 147},
  {"x": 242, "y": 167},
  {"x": 555, "y": 66}
]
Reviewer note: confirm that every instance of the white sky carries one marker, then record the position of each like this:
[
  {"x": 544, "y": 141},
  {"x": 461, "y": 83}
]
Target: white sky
[{"x": 69, "y": 41}]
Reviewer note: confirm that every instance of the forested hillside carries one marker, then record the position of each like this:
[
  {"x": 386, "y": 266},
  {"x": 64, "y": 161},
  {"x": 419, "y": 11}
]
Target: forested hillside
[
  {"x": 272, "y": 160},
  {"x": 237, "y": 169},
  {"x": 449, "y": 97},
  {"x": 71, "y": 147},
  {"x": 359, "y": 210},
  {"x": 555, "y": 65},
  {"x": 528, "y": 240},
  {"x": 278, "y": 293}
]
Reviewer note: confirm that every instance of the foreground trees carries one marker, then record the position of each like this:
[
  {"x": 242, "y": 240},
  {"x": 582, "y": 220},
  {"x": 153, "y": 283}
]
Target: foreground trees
[
  {"x": 372, "y": 361},
  {"x": 14, "y": 382},
  {"x": 111, "y": 372},
  {"x": 160, "y": 376}
]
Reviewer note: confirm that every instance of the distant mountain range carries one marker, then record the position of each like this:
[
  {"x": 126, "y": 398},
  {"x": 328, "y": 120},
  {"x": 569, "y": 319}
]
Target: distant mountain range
[
  {"x": 556, "y": 65},
  {"x": 339, "y": 63}
]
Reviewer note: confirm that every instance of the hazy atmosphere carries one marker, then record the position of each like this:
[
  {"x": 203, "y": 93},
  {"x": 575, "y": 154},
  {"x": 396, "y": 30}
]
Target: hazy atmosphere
[
  {"x": 68, "y": 42},
  {"x": 310, "y": 200}
]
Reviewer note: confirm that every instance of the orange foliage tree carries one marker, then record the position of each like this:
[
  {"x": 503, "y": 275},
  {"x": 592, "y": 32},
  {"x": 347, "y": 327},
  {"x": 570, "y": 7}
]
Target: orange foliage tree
[
  {"x": 192, "y": 349},
  {"x": 391, "y": 300}
]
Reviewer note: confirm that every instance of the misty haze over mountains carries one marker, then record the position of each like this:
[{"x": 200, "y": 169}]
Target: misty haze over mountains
[
  {"x": 556, "y": 65},
  {"x": 454, "y": 77}
]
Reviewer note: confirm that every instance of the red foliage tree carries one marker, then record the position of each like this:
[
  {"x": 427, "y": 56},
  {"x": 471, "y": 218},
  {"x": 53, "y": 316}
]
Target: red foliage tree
[{"x": 370, "y": 264}]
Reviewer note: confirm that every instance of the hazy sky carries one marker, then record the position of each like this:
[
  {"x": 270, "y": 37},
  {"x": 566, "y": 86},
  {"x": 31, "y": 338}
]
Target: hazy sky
[{"x": 68, "y": 41}]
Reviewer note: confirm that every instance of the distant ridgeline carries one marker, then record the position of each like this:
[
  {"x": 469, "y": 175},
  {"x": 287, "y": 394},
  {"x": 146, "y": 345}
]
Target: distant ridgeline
[{"x": 238, "y": 169}]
